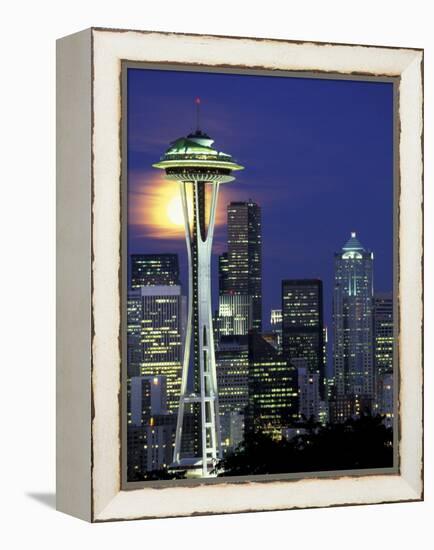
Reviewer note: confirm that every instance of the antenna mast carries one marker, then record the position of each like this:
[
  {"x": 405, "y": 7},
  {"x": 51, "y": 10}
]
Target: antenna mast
[{"x": 197, "y": 101}]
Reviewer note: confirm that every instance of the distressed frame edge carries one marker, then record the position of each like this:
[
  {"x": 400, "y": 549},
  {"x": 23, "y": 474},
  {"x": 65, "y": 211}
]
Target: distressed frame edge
[
  {"x": 411, "y": 272},
  {"x": 252, "y": 38},
  {"x": 414, "y": 491}
]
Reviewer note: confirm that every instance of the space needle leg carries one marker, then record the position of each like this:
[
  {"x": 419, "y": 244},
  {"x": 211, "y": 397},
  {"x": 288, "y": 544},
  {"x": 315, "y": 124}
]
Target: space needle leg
[{"x": 187, "y": 343}]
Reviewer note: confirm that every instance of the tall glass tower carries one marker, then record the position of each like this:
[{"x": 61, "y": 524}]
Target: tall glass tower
[
  {"x": 244, "y": 265},
  {"x": 353, "y": 327},
  {"x": 199, "y": 169}
]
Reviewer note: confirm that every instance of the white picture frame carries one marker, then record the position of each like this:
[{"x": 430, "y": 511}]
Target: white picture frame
[{"x": 89, "y": 169}]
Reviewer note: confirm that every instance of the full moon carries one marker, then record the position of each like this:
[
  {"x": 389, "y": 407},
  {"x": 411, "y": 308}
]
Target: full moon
[{"x": 174, "y": 211}]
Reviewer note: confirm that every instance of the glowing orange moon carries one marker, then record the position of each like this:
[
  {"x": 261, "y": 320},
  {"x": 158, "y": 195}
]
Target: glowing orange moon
[
  {"x": 174, "y": 211},
  {"x": 157, "y": 206}
]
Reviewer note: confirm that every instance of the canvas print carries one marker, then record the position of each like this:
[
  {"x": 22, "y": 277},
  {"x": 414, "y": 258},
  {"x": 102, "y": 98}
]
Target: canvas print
[{"x": 259, "y": 317}]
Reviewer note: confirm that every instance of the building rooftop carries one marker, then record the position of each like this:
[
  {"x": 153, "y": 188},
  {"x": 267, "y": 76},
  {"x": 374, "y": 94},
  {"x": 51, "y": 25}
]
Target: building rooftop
[{"x": 353, "y": 244}]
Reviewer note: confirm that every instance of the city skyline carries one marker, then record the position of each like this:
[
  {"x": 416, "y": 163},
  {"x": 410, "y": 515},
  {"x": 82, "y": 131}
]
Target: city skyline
[
  {"x": 336, "y": 157},
  {"x": 272, "y": 256},
  {"x": 257, "y": 379}
]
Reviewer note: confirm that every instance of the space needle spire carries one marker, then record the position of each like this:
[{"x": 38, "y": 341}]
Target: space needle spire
[
  {"x": 197, "y": 102},
  {"x": 199, "y": 169}
]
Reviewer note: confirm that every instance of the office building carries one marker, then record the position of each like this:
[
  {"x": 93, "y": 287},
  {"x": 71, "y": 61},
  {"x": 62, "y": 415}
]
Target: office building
[
  {"x": 302, "y": 325},
  {"x": 310, "y": 406},
  {"x": 134, "y": 334},
  {"x": 383, "y": 356},
  {"x": 383, "y": 333},
  {"x": 244, "y": 256},
  {"x": 150, "y": 446},
  {"x": 353, "y": 357},
  {"x": 235, "y": 315},
  {"x": 223, "y": 273},
  {"x": 147, "y": 397},
  {"x": 160, "y": 313},
  {"x": 150, "y": 428},
  {"x": 385, "y": 398},
  {"x": 232, "y": 359},
  {"x": 273, "y": 390},
  {"x": 154, "y": 269},
  {"x": 276, "y": 326}
]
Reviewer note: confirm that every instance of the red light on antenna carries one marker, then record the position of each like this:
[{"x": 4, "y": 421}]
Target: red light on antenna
[{"x": 197, "y": 100}]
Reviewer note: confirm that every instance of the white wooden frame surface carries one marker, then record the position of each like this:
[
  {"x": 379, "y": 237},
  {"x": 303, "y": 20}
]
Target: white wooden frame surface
[{"x": 88, "y": 264}]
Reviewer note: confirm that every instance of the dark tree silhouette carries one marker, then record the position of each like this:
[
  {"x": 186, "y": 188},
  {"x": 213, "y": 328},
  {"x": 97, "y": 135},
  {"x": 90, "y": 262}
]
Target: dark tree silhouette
[
  {"x": 355, "y": 444},
  {"x": 155, "y": 475}
]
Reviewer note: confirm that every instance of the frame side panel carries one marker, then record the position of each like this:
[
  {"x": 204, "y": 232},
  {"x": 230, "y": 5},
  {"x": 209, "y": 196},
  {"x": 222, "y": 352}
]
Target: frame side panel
[{"x": 73, "y": 274}]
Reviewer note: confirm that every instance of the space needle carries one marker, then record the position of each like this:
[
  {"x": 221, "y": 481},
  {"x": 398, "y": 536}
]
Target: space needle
[{"x": 199, "y": 169}]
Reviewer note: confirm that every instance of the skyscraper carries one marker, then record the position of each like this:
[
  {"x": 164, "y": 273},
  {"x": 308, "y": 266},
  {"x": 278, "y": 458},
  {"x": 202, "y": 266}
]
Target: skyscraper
[
  {"x": 353, "y": 328},
  {"x": 302, "y": 325},
  {"x": 154, "y": 269},
  {"x": 232, "y": 359},
  {"x": 134, "y": 334},
  {"x": 273, "y": 390},
  {"x": 276, "y": 319},
  {"x": 199, "y": 170},
  {"x": 384, "y": 401},
  {"x": 223, "y": 273},
  {"x": 151, "y": 430},
  {"x": 325, "y": 340},
  {"x": 383, "y": 332},
  {"x": 308, "y": 391},
  {"x": 155, "y": 335},
  {"x": 244, "y": 264},
  {"x": 276, "y": 326},
  {"x": 383, "y": 356},
  {"x": 148, "y": 396},
  {"x": 235, "y": 314}
]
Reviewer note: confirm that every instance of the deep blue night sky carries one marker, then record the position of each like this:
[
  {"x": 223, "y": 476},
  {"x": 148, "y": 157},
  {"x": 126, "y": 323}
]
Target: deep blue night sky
[{"x": 318, "y": 157}]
